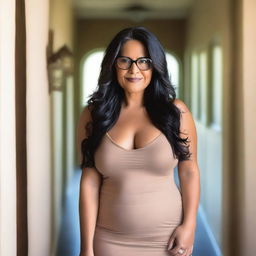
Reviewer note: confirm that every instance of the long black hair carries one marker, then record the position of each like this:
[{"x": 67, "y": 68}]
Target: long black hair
[{"x": 105, "y": 103}]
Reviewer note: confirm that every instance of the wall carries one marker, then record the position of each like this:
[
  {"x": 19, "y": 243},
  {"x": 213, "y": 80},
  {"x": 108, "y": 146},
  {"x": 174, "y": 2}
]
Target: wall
[
  {"x": 8, "y": 229},
  {"x": 248, "y": 78},
  {"x": 235, "y": 25},
  {"x": 209, "y": 22},
  {"x": 38, "y": 133},
  {"x": 93, "y": 34},
  {"x": 61, "y": 24}
]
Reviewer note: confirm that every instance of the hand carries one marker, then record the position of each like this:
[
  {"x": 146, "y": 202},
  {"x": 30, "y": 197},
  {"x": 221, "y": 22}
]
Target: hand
[{"x": 183, "y": 239}]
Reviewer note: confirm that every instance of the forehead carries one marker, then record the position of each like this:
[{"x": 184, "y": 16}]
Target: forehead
[{"x": 133, "y": 49}]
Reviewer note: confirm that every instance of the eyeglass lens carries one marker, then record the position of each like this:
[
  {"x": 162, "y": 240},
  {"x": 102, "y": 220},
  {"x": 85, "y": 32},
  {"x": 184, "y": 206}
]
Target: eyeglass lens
[{"x": 142, "y": 63}]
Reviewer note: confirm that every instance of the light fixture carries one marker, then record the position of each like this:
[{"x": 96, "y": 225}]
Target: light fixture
[{"x": 60, "y": 65}]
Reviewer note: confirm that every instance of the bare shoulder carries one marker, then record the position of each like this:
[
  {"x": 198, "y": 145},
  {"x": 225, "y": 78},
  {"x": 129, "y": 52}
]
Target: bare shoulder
[
  {"x": 84, "y": 118},
  {"x": 181, "y": 105},
  {"x": 186, "y": 115},
  {"x": 187, "y": 124}
]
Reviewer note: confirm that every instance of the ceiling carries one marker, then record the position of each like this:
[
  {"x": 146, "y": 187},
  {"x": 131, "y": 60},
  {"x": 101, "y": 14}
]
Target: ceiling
[{"x": 132, "y": 9}]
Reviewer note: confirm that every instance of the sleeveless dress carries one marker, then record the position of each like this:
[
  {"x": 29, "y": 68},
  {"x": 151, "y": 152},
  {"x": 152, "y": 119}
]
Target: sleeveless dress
[{"x": 140, "y": 204}]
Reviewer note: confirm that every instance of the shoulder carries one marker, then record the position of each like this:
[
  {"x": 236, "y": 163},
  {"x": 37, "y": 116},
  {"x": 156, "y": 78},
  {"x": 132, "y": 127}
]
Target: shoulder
[
  {"x": 186, "y": 118},
  {"x": 187, "y": 131},
  {"x": 86, "y": 113},
  {"x": 181, "y": 106},
  {"x": 81, "y": 132},
  {"x": 85, "y": 116}
]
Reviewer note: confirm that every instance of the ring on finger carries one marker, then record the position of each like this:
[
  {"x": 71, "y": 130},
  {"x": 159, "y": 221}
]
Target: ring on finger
[{"x": 181, "y": 251}]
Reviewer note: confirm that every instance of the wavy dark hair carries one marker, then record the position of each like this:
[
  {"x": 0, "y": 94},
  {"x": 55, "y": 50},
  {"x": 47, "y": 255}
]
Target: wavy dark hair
[{"x": 105, "y": 103}]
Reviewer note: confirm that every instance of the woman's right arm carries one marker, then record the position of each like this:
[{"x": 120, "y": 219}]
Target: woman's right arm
[
  {"x": 89, "y": 194},
  {"x": 88, "y": 208}
]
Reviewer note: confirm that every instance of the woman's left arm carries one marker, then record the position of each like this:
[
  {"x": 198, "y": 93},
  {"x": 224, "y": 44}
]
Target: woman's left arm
[{"x": 189, "y": 177}]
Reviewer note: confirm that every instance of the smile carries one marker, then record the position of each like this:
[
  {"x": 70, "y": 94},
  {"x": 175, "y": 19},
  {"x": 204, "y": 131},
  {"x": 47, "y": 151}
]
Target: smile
[{"x": 133, "y": 80}]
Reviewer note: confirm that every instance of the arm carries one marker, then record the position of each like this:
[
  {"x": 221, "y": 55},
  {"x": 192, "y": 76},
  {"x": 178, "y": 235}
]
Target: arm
[
  {"x": 88, "y": 209},
  {"x": 189, "y": 170},
  {"x": 190, "y": 184},
  {"x": 89, "y": 194}
]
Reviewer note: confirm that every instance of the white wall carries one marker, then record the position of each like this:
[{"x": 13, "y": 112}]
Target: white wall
[
  {"x": 38, "y": 130},
  {"x": 8, "y": 244},
  {"x": 249, "y": 120}
]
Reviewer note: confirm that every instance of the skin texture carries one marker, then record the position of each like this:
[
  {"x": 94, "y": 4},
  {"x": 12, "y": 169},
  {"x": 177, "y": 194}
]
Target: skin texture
[
  {"x": 133, "y": 49},
  {"x": 130, "y": 133}
]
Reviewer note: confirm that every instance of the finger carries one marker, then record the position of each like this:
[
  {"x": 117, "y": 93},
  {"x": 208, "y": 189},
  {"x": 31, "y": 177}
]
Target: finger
[
  {"x": 189, "y": 252},
  {"x": 170, "y": 245},
  {"x": 174, "y": 250},
  {"x": 182, "y": 251},
  {"x": 177, "y": 251}
]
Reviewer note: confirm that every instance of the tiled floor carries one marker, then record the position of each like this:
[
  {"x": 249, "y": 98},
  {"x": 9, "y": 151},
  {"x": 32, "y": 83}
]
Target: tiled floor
[{"x": 69, "y": 240}]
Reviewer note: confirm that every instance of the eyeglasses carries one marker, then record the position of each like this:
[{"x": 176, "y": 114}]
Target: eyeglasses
[{"x": 142, "y": 63}]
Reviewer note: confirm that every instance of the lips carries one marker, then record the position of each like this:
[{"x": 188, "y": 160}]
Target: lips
[{"x": 133, "y": 80}]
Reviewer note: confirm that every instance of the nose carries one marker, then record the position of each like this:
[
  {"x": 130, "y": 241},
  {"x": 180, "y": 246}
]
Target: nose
[{"x": 134, "y": 68}]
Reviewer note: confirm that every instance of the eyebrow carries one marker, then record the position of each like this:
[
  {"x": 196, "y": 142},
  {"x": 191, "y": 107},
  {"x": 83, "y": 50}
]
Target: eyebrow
[{"x": 131, "y": 58}]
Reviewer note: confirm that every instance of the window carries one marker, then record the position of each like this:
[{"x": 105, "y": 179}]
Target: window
[
  {"x": 195, "y": 107},
  {"x": 174, "y": 71},
  {"x": 199, "y": 82},
  {"x": 216, "y": 87},
  {"x": 203, "y": 82},
  {"x": 91, "y": 71}
]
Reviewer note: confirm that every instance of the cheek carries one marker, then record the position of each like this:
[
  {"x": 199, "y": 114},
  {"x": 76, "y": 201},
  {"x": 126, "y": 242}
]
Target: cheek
[{"x": 120, "y": 76}]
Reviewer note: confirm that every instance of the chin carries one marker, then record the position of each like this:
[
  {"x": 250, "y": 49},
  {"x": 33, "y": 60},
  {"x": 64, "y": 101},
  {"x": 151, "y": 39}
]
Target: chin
[{"x": 133, "y": 89}]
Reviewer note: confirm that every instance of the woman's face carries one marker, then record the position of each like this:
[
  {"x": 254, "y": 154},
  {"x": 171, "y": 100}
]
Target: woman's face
[{"x": 133, "y": 79}]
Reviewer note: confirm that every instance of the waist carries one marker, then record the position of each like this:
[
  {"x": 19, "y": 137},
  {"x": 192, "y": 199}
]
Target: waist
[
  {"x": 135, "y": 186},
  {"x": 141, "y": 213}
]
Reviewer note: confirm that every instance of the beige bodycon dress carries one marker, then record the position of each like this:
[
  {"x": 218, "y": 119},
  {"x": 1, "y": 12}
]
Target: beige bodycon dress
[{"x": 140, "y": 204}]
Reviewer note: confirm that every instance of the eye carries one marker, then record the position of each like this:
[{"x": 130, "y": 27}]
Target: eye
[
  {"x": 144, "y": 61},
  {"x": 123, "y": 60}
]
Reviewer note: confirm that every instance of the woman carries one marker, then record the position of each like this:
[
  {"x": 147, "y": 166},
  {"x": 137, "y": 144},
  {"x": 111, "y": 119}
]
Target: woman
[{"x": 136, "y": 132}]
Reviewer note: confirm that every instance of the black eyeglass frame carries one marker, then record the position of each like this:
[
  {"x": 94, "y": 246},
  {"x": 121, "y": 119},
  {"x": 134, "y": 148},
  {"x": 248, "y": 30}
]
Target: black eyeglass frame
[{"x": 134, "y": 61}]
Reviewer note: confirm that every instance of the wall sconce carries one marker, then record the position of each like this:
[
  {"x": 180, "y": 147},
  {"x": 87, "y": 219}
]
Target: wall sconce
[
  {"x": 56, "y": 76},
  {"x": 60, "y": 65}
]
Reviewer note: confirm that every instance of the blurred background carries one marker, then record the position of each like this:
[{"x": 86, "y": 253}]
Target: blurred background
[{"x": 50, "y": 54}]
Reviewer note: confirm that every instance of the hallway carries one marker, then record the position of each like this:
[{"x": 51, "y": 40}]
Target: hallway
[{"x": 45, "y": 80}]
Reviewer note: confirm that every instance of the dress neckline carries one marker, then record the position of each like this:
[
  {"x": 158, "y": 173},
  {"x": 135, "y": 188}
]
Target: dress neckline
[{"x": 134, "y": 149}]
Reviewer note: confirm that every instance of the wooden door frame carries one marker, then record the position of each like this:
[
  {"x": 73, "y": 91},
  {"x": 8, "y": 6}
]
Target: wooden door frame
[{"x": 21, "y": 129}]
